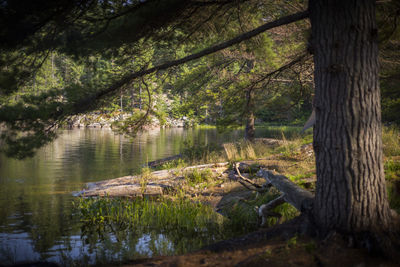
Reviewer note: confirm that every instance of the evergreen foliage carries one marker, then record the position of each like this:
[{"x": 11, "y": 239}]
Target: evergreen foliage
[{"x": 56, "y": 58}]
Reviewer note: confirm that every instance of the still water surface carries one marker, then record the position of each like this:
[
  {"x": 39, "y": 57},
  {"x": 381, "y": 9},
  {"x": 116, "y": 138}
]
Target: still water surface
[{"x": 37, "y": 221}]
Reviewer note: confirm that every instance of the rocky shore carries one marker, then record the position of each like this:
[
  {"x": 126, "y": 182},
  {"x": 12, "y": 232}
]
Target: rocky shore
[{"x": 108, "y": 120}]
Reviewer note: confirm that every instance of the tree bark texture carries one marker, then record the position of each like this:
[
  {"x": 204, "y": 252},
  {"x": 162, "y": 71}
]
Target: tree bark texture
[
  {"x": 249, "y": 111},
  {"x": 351, "y": 192}
]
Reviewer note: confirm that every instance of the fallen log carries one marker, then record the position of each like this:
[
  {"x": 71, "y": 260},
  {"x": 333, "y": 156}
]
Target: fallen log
[
  {"x": 298, "y": 197},
  {"x": 245, "y": 179},
  {"x": 153, "y": 184},
  {"x": 221, "y": 164},
  {"x": 133, "y": 190},
  {"x": 246, "y": 167},
  {"x": 265, "y": 210}
]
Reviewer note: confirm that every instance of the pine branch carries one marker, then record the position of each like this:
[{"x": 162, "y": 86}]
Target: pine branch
[{"x": 85, "y": 104}]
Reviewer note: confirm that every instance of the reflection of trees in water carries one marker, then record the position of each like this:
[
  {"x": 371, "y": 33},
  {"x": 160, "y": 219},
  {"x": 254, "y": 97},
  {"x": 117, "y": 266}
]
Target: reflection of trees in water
[
  {"x": 143, "y": 228},
  {"x": 35, "y": 193},
  {"x": 128, "y": 243}
]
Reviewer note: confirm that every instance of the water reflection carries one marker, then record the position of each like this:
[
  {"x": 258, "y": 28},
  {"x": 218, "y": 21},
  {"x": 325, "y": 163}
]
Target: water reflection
[{"x": 36, "y": 219}]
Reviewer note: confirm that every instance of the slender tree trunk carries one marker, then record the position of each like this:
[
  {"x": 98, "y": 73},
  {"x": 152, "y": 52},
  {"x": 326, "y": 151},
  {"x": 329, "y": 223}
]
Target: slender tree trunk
[
  {"x": 140, "y": 96},
  {"x": 120, "y": 101},
  {"x": 132, "y": 91},
  {"x": 351, "y": 192},
  {"x": 52, "y": 69},
  {"x": 249, "y": 111}
]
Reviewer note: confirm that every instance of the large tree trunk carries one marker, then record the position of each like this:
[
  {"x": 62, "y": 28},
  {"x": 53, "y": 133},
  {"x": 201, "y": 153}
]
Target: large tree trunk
[
  {"x": 351, "y": 192},
  {"x": 249, "y": 111}
]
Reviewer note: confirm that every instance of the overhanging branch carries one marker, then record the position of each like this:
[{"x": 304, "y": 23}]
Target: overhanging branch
[{"x": 85, "y": 103}]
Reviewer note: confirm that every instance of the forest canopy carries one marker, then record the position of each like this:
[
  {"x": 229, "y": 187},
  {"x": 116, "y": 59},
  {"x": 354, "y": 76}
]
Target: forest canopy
[{"x": 61, "y": 58}]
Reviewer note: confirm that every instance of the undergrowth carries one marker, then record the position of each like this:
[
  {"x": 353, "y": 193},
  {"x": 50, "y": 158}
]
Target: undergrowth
[
  {"x": 182, "y": 219},
  {"x": 391, "y": 141},
  {"x": 197, "y": 177}
]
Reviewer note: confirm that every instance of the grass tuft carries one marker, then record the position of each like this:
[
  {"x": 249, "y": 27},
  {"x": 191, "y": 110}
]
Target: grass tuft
[{"x": 391, "y": 141}]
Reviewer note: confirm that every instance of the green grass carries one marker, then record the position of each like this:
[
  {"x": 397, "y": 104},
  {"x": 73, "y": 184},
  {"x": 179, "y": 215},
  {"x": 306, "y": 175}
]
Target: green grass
[
  {"x": 197, "y": 177},
  {"x": 391, "y": 141},
  {"x": 391, "y": 149},
  {"x": 171, "y": 226},
  {"x": 143, "y": 215},
  {"x": 290, "y": 132},
  {"x": 183, "y": 217},
  {"x": 173, "y": 164},
  {"x": 205, "y": 126},
  {"x": 186, "y": 224},
  {"x": 243, "y": 215}
]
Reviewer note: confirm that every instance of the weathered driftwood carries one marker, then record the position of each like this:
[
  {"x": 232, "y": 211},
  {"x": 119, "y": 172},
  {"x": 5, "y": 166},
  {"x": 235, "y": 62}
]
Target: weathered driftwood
[
  {"x": 249, "y": 168},
  {"x": 154, "y": 184},
  {"x": 298, "y": 197},
  {"x": 265, "y": 210},
  {"x": 245, "y": 179},
  {"x": 133, "y": 190}
]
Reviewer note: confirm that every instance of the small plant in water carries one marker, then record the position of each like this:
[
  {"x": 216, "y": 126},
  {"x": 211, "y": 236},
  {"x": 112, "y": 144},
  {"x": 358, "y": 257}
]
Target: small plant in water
[{"x": 145, "y": 176}]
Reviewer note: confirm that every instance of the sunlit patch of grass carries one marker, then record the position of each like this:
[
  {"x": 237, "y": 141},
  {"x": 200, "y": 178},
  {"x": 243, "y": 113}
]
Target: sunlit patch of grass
[
  {"x": 241, "y": 150},
  {"x": 247, "y": 151},
  {"x": 306, "y": 139},
  {"x": 231, "y": 151},
  {"x": 291, "y": 132},
  {"x": 145, "y": 176},
  {"x": 392, "y": 169},
  {"x": 173, "y": 164},
  {"x": 289, "y": 150},
  {"x": 196, "y": 177},
  {"x": 206, "y": 126},
  {"x": 391, "y": 141}
]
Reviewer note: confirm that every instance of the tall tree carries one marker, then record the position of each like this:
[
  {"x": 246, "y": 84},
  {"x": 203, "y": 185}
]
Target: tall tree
[{"x": 351, "y": 192}]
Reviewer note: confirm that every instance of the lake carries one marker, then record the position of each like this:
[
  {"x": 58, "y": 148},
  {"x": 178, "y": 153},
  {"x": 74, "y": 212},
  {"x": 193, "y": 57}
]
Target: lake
[
  {"x": 36, "y": 214},
  {"x": 37, "y": 218}
]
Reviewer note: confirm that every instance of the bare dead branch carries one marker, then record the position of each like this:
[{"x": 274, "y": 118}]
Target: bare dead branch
[
  {"x": 298, "y": 197},
  {"x": 244, "y": 178},
  {"x": 265, "y": 210}
]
